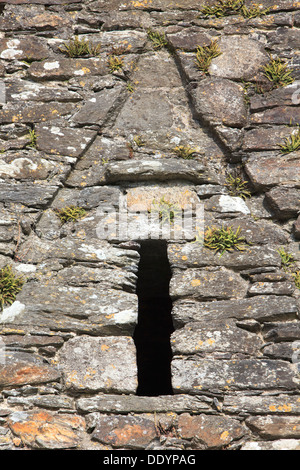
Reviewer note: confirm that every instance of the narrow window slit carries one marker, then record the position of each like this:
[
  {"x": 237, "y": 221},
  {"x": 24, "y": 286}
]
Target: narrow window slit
[{"x": 152, "y": 333}]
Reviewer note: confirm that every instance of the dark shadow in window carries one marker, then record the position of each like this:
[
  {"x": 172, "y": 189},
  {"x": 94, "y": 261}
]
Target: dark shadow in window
[{"x": 152, "y": 333}]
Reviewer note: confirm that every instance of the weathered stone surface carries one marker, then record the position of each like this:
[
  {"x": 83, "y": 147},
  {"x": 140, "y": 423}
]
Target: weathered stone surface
[
  {"x": 63, "y": 140},
  {"x": 24, "y": 368},
  {"x": 194, "y": 255},
  {"x": 25, "y": 90},
  {"x": 31, "y": 113},
  {"x": 24, "y": 48},
  {"x": 265, "y": 139},
  {"x": 35, "y": 250},
  {"x": 212, "y": 432},
  {"x": 227, "y": 204},
  {"x": 288, "y": 331},
  {"x": 279, "y": 115},
  {"x": 38, "y": 195},
  {"x": 43, "y": 430},
  {"x": 129, "y": 432},
  {"x": 272, "y": 288},
  {"x": 267, "y": 405},
  {"x": 192, "y": 376},
  {"x": 189, "y": 39},
  {"x": 275, "y": 427},
  {"x": 217, "y": 336},
  {"x": 137, "y": 404},
  {"x": 28, "y": 166},
  {"x": 297, "y": 228},
  {"x": 265, "y": 172},
  {"x": 201, "y": 284},
  {"x": 88, "y": 309},
  {"x": 220, "y": 101},
  {"x": 284, "y": 202},
  {"x": 241, "y": 58},
  {"x": 161, "y": 170},
  {"x": 278, "y": 97},
  {"x": 99, "y": 364},
  {"x": 281, "y": 444},
  {"x": 261, "y": 308},
  {"x": 63, "y": 69},
  {"x": 104, "y": 197},
  {"x": 97, "y": 109}
]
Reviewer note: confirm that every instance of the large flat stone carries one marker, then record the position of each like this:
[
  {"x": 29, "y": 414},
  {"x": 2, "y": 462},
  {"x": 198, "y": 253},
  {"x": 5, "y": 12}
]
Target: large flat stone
[
  {"x": 202, "y": 284},
  {"x": 63, "y": 140},
  {"x": 90, "y": 364},
  {"x": 20, "y": 368},
  {"x": 275, "y": 427},
  {"x": 241, "y": 58},
  {"x": 220, "y": 101},
  {"x": 214, "y": 337},
  {"x": 98, "y": 108},
  {"x": 85, "y": 309},
  {"x": 284, "y": 202},
  {"x": 266, "y": 405},
  {"x": 37, "y": 195},
  {"x": 210, "y": 432},
  {"x": 138, "y": 404},
  {"x": 64, "y": 69},
  {"x": 129, "y": 432},
  {"x": 261, "y": 308},
  {"x": 45, "y": 430},
  {"x": 203, "y": 375},
  {"x": 265, "y": 172},
  {"x": 194, "y": 255},
  {"x": 161, "y": 170},
  {"x": 23, "y": 48}
]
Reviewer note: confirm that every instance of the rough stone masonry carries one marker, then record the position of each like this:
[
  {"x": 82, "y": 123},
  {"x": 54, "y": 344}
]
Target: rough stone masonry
[{"x": 86, "y": 130}]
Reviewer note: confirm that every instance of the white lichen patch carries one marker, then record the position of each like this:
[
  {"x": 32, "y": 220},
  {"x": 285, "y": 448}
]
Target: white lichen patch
[
  {"x": 233, "y": 204},
  {"x": 126, "y": 316},
  {"x": 51, "y": 65},
  {"x": 10, "y": 313}
]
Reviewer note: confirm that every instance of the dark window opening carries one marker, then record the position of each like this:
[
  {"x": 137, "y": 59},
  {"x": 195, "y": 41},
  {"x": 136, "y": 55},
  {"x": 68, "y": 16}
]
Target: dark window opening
[{"x": 152, "y": 333}]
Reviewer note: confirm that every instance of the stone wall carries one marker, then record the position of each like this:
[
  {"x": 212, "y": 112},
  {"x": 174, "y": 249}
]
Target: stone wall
[{"x": 74, "y": 132}]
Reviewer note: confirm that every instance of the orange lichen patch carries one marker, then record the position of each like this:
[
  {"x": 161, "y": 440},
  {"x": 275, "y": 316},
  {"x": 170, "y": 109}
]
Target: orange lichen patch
[
  {"x": 104, "y": 347},
  {"x": 43, "y": 429},
  {"x": 195, "y": 282}
]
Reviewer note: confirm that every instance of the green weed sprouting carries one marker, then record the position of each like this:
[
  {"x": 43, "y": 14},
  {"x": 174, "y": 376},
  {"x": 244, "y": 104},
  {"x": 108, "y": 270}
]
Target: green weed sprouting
[
  {"x": 205, "y": 54},
  {"x": 10, "y": 286},
  {"x": 237, "y": 187},
  {"x": 115, "y": 63},
  {"x": 158, "y": 40},
  {"x": 291, "y": 143},
  {"x": 224, "y": 8},
  {"x": 223, "y": 239},
  {"x": 166, "y": 210},
  {"x": 80, "y": 48},
  {"x": 184, "y": 151},
  {"x": 71, "y": 213},
  {"x": 287, "y": 259},
  {"x": 32, "y": 137},
  {"x": 277, "y": 72},
  {"x": 296, "y": 276}
]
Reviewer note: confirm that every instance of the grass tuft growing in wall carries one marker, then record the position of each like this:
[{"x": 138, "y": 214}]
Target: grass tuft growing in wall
[
  {"x": 292, "y": 143},
  {"x": 71, "y": 213},
  {"x": 79, "y": 48},
  {"x": 205, "y": 55},
  {"x": 10, "y": 286},
  {"x": 278, "y": 73},
  {"x": 223, "y": 8},
  {"x": 223, "y": 239}
]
